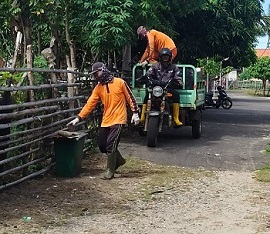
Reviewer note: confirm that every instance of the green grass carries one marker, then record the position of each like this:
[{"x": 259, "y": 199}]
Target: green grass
[
  {"x": 267, "y": 149},
  {"x": 263, "y": 174}
]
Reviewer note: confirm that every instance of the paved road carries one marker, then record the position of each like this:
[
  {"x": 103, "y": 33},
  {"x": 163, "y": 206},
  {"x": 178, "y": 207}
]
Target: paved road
[{"x": 231, "y": 139}]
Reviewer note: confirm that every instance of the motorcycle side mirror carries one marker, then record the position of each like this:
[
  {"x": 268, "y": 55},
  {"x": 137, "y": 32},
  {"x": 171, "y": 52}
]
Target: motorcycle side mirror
[{"x": 143, "y": 79}]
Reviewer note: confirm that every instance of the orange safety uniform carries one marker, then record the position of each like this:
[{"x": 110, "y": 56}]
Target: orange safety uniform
[
  {"x": 157, "y": 41},
  {"x": 114, "y": 96}
]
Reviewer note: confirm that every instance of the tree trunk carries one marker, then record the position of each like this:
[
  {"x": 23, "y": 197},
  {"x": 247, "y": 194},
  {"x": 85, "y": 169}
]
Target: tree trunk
[
  {"x": 126, "y": 58},
  {"x": 70, "y": 90},
  {"x": 71, "y": 61},
  {"x": 39, "y": 42},
  {"x": 264, "y": 86},
  {"x": 50, "y": 57},
  {"x": 70, "y": 42},
  {"x": 17, "y": 48},
  {"x": 29, "y": 60},
  {"x": 27, "y": 30}
]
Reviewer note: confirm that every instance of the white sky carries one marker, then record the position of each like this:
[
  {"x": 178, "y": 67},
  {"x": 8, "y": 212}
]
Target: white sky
[{"x": 262, "y": 41}]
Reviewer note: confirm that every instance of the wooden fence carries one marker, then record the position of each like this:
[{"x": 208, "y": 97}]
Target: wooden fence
[
  {"x": 255, "y": 85},
  {"x": 247, "y": 84},
  {"x": 26, "y": 128}
]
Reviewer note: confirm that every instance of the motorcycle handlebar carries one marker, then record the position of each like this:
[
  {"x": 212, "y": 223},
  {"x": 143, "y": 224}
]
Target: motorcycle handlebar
[{"x": 153, "y": 82}]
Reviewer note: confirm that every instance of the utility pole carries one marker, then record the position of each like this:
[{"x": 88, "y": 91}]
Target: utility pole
[{"x": 220, "y": 70}]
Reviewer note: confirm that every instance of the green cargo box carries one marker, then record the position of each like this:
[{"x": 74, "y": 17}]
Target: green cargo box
[{"x": 68, "y": 148}]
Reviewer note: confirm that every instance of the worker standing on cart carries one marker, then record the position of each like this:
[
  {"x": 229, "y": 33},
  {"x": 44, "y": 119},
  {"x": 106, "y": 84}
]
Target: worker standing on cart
[{"x": 156, "y": 41}]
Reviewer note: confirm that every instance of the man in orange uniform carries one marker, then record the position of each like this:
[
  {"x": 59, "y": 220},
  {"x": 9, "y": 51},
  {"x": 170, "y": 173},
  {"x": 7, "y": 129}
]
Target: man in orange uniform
[
  {"x": 156, "y": 41},
  {"x": 114, "y": 94}
]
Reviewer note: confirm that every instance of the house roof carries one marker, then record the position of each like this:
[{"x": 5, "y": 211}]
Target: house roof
[{"x": 262, "y": 52}]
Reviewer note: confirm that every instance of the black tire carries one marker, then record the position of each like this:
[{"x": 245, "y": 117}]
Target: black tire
[
  {"x": 226, "y": 103},
  {"x": 152, "y": 132},
  {"x": 197, "y": 127}
]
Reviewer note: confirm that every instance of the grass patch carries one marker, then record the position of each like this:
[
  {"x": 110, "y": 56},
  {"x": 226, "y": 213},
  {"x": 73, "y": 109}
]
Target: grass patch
[
  {"x": 155, "y": 179},
  {"x": 258, "y": 93},
  {"x": 263, "y": 174},
  {"x": 250, "y": 92},
  {"x": 267, "y": 149}
]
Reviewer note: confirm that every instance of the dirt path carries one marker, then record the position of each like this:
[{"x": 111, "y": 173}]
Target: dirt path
[
  {"x": 144, "y": 198},
  {"x": 232, "y": 203}
]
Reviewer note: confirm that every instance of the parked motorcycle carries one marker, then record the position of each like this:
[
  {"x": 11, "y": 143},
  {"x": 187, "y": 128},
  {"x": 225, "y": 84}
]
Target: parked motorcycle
[{"x": 223, "y": 99}]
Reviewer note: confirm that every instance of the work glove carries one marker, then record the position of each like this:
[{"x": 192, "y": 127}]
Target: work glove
[
  {"x": 135, "y": 119},
  {"x": 73, "y": 122},
  {"x": 144, "y": 63}
]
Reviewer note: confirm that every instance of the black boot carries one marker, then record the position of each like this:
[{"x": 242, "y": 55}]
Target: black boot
[
  {"x": 111, "y": 163},
  {"x": 119, "y": 160}
]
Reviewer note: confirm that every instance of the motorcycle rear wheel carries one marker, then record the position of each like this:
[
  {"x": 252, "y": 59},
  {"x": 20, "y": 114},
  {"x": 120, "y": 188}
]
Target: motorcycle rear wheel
[{"x": 226, "y": 103}]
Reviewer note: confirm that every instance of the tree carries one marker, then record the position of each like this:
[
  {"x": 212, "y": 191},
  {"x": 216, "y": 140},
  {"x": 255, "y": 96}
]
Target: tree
[
  {"x": 213, "y": 68},
  {"x": 261, "y": 70},
  {"x": 264, "y": 26},
  {"x": 245, "y": 75},
  {"x": 200, "y": 28},
  {"x": 227, "y": 28}
]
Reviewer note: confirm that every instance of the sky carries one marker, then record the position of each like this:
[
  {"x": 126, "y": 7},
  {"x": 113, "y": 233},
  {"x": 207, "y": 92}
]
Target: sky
[{"x": 262, "y": 41}]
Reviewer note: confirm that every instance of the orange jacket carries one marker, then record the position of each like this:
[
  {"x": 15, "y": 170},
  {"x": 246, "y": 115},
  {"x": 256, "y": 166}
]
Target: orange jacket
[
  {"x": 114, "y": 95},
  {"x": 156, "y": 41}
]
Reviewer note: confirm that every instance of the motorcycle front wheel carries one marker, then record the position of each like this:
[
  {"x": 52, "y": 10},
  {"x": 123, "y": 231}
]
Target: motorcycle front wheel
[
  {"x": 226, "y": 103},
  {"x": 152, "y": 132}
]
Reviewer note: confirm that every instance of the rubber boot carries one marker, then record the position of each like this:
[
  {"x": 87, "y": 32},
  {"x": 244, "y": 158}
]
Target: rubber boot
[
  {"x": 111, "y": 163},
  {"x": 143, "y": 113},
  {"x": 176, "y": 114},
  {"x": 119, "y": 160}
]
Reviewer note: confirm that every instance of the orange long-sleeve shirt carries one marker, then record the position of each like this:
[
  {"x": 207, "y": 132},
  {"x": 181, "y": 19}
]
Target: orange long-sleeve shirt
[
  {"x": 156, "y": 41},
  {"x": 114, "y": 96}
]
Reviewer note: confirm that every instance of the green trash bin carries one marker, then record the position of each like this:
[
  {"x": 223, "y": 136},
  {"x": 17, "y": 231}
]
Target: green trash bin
[{"x": 68, "y": 148}]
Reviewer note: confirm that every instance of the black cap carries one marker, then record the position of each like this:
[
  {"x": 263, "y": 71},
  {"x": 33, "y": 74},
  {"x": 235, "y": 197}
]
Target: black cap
[{"x": 97, "y": 67}]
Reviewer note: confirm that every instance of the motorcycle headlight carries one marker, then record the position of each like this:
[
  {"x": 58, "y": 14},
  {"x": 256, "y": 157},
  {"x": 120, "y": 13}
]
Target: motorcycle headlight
[{"x": 157, "y": 91}]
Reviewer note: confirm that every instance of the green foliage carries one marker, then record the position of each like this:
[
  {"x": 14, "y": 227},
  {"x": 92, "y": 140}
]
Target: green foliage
[
  {"x": 7, "y": 78},
  {"x": 200, "y": 28},
  {"x": 226, "y": 27},
  {"x": 264, "y": 26},
  {"x": 267, "y": 150},
  {"x": 213, "y": 68},
  {"x": 209, "y": 66},
  {"x": 263, "y": 174},
  {"x": 40, "y": 62},
  {"x": 40, "y": 78},
  {"x": 245, "y": 75},
  {"x": 261, "y": 69},
  {"x": 110, "y": 24}
]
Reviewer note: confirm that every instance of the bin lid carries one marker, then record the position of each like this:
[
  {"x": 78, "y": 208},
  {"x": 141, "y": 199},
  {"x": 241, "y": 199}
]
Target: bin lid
[{"x": 68, "y": 134}]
